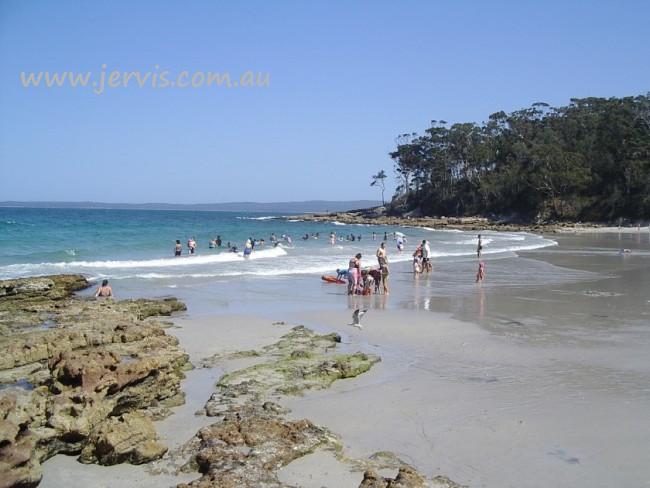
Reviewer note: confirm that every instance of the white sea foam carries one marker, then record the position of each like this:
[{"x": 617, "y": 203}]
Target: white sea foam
[
  {"x": 266, "y": 217},
  {"x": 475, "y": 241},
  {"x": 417, "y": 227},
  {"x": 312, "y": 257},
  {"x": 224, "y": 257},
  {"x": 336, "y": 222}
]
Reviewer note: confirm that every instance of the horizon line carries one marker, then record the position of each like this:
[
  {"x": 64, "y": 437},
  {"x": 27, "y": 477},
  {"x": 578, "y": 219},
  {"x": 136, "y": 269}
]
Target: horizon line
[{"x": 247, "y": 202}]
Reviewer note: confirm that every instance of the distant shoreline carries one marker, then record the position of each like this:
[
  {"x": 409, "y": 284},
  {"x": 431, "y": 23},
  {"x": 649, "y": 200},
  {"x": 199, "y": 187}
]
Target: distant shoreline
[
  {"x": 307, "y": 206},
  {"x": 373, "y": 216}
]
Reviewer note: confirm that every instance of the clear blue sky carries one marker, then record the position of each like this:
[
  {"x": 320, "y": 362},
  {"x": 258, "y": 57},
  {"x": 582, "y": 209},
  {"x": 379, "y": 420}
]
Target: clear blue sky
[{"x": 345, "y": 79}]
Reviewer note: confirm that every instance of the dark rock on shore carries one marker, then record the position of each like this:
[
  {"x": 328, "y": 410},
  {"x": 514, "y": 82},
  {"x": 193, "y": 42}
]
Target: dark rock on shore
[{"x": 81, "y": 376}]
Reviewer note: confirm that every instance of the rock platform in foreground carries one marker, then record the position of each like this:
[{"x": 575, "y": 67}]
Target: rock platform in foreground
[
  {"x": 254, "y": 437},
  {"x": 81, "y": 376}
]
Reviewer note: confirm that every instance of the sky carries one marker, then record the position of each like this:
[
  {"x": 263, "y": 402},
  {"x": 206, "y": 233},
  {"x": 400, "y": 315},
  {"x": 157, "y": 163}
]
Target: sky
[{"x": 344, "y": 80}]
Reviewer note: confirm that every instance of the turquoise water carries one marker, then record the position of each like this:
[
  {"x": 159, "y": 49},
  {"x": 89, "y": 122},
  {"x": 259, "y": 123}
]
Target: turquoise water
[{"x": 138, "y": 244}]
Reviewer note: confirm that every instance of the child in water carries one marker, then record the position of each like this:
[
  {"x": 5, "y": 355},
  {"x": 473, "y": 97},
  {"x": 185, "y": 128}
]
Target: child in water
[{"x": 480, "y": 274}]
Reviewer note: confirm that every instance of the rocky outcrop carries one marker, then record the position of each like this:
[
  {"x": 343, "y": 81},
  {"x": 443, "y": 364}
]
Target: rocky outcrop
[
  {"x": 81, "y": 376},
  {"x": 377, "y": 217},
  {"x": 254, "y": 437},
  {"x": 131, "y": 437},
  {"x": 407, "y": 477}
]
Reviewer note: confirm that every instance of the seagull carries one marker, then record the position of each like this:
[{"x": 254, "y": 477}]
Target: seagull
[{"x": 356, "y": 317}]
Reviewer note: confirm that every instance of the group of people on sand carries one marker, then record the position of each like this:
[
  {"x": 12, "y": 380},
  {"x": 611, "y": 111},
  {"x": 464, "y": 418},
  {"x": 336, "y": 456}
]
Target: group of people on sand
[{"x": 366, "y": 281}]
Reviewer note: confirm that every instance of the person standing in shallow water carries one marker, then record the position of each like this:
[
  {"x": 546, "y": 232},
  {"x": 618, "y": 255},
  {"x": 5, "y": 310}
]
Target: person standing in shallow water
[
  {"x": 248, "y": 248},
  {"x": 479, "y": 248},
  {"x": 354, "y": 274},
  {"x": 178, "y": 248},
  {"x": 382, "y": 259}
]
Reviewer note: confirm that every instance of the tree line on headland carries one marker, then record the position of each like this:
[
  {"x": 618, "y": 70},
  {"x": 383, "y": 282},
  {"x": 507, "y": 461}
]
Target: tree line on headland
[{"x": 589, "y": 160}]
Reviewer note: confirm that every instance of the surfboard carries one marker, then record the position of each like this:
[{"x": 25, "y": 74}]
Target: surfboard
[{"x": 332, "y": 279}]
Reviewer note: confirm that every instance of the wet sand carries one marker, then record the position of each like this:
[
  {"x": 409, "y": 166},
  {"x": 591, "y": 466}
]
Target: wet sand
[{"x": 538, "y": 377}]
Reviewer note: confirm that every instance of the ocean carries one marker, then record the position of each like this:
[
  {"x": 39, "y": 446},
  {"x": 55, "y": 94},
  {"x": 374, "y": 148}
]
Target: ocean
[{"x": 138, "y": 245}]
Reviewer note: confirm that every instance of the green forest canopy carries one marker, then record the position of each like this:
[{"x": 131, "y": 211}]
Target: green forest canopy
[{"x": 589, "y": 160}]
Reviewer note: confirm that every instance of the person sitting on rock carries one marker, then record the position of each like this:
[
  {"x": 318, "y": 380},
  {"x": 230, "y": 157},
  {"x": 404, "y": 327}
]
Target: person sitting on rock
[{"x": 104, "y": 291}]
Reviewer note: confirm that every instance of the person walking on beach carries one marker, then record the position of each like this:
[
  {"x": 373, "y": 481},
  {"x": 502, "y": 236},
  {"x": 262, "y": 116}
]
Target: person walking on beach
[
  {"x": 479, "y": 248},
  {"x": 354, "y": 274},
  {"x": 480, "y": 274},
  {"x": 178, "y": 248},
  {"x": 104, "y": 291}
]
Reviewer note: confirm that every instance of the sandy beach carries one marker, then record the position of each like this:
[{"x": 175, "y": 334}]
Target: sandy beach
[
  {"x": 324, "y": 245},
  {"x": 513, "y": 383}
]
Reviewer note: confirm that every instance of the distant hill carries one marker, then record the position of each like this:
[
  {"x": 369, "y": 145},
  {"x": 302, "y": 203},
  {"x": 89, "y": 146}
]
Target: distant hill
[{"x": 311, "y": 206}]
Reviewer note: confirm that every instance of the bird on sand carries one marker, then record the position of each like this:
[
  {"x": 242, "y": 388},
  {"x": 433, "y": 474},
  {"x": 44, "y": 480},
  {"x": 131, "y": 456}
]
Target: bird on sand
[{"x": 356, "y": 317}]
